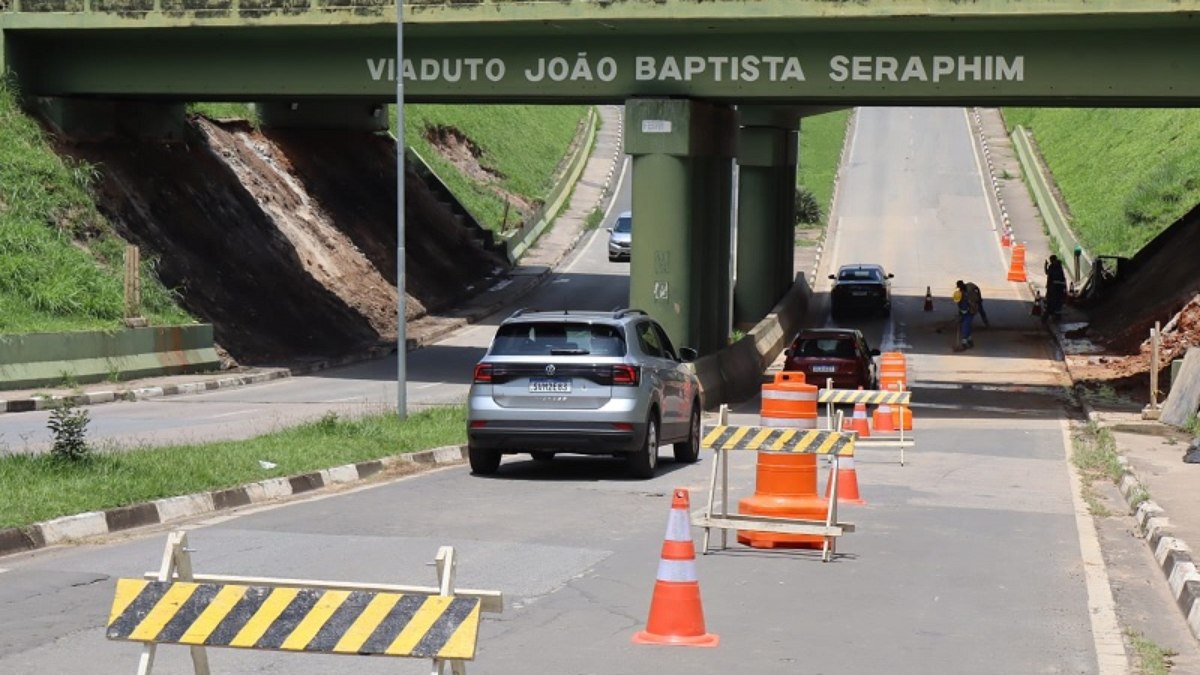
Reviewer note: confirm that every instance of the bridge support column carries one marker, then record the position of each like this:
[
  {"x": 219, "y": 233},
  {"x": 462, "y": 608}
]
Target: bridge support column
[
  {"x": 100, "y": 119},
  {"x": 323, "y": 114},
  {"x": 682, "y": 210},
  {"x": 766, "y": 214}
]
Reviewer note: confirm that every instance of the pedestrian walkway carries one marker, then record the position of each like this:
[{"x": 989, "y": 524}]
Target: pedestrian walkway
[{"x": 594, "y": 189}]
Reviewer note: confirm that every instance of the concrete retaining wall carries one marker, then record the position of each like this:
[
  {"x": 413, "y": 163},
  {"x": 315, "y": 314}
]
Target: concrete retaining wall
[
  {"x": 44, "y": 359},
  {"x": 735, "y": 373}
]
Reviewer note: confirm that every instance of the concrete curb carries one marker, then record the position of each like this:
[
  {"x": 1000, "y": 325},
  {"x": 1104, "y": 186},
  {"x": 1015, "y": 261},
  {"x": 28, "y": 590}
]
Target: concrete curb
[{"x": 70, "y": 529}]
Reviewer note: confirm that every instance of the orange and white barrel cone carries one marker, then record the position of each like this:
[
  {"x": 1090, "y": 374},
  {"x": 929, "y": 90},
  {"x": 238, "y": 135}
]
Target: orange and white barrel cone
[
  {"x": 882, "y": 419},
  {"x": 928, "y": 300},
  {"x": 858, "y": 422},
  {"x": 676, "y": 616},
  {"x": 1006, "y": 241},
  {"x": 847, "y": 480}
]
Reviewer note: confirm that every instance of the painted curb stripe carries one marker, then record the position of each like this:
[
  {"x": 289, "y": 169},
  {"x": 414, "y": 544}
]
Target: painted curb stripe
[{"x": 310, "y": 620}]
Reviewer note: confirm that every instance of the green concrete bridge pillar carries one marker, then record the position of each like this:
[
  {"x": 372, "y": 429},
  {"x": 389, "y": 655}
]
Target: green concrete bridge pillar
[
  {"x": 767, "y": 142},
  {"x": 346, "y": 115},
  {"x": 682, "y": 205}
]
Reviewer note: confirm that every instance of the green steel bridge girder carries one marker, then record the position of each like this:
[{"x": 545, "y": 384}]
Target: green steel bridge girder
[{"x": 1057, "y": 67}]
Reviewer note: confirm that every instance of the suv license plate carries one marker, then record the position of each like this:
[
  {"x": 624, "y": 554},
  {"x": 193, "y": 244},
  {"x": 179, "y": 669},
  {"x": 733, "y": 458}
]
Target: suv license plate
[
  {"x": 824, "y": 369},
  {"x": 545, "y": 385}
]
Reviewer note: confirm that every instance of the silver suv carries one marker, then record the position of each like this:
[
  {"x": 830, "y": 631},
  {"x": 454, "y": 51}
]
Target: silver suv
[{"x": 595, "y": 383}]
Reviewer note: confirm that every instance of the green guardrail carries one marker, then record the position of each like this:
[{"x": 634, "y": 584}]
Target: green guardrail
[{"x": 1065, "y": 241}]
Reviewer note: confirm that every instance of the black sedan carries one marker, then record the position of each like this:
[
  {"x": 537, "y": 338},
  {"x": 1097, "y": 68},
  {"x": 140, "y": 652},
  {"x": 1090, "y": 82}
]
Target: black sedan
[{"x": 860, "y": 287}]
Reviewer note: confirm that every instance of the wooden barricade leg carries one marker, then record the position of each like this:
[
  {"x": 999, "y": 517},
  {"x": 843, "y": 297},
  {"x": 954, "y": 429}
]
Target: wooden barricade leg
[
  {"x": 447, "y": 566},
  {"x": 177, "y": 560},
  {"x": 828, "y": 548}
]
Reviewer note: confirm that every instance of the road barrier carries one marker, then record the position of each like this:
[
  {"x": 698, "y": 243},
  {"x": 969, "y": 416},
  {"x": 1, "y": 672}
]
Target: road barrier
[
  {"x": 724, "y": 438},
  {"x": 175, "y": 606},
  {"x": 898, "y": 400},
  {"x": 1016, "y": 267},
  {"x": 789, "y": 401}
]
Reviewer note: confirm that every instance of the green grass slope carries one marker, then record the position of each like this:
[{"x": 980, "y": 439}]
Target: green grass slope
[
  {"x": 48, "y": 281},
  {"x": 821, "y": 139},
  {"x": 1125, "y": 174},
  {"x": 520, "y": 146}
]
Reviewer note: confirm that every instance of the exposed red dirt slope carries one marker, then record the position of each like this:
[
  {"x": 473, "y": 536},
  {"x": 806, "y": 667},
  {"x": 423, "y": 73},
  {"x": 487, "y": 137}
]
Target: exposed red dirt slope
[{"x": 286, "y": 241}]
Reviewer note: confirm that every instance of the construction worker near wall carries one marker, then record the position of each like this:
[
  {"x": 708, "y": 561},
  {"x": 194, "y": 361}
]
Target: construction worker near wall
[
  {"x": 966, "y": 315},
  {"x": 1056, "y": 288}
]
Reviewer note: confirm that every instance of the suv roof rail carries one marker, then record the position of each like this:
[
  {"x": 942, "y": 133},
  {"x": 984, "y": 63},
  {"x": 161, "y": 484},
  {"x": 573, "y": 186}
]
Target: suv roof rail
[
  {"x": 521, "y": 311},
  {"x": 622, "y": 313}
]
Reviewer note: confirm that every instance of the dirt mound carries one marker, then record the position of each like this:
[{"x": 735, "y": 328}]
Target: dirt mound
[{"x": 286, "y": 242}]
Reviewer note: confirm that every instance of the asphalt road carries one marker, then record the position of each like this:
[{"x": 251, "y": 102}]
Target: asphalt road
[
  {"x": 969, "y": 559},
  {"x": 437, "y": 375}
]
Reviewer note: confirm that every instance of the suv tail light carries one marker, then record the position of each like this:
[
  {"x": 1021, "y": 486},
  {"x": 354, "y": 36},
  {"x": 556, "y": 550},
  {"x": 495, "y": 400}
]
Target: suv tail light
[
  {"x": 625, "y": 375},
  {"x": 483, "y": 373}
]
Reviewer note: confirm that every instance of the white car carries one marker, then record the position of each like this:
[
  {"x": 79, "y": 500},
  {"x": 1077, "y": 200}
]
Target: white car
[{"x": 620, "y": 237}]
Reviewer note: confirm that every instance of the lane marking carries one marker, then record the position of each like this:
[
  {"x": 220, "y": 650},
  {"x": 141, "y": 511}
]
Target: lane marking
[
  {"x": 1106, "y": 631},
  {"x": 236, "y": 412},
  {"x": 581, "y": 251},
  {"x": 348, "y": 398},
  {"x": 429, "y": 384}
]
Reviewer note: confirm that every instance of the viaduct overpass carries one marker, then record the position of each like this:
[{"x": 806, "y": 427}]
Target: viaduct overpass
[{"x": 707, "y": 85}]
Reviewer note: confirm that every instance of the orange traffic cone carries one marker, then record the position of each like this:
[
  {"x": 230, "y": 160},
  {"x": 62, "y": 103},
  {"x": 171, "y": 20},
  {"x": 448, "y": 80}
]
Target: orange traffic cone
[
  {"x": 847, "y": 480},
  {"x": 1006, "y": 240},
  {"x": 882, "y": 419},
  {"x": 928, "y": 300},
  {"x": 1037, "y": 303},
  {"x": 859, "y": 421},
  {"x": 676, "y": 616},
  {"x": 1016, "y": 269}
]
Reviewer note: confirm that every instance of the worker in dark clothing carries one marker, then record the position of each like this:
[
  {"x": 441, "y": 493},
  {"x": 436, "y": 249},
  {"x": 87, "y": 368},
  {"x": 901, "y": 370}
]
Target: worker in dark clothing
[
  {"x": 975, "y": 297},
  {"x": 1056, "y": 288},
  {"x": 966, "y": 315}
]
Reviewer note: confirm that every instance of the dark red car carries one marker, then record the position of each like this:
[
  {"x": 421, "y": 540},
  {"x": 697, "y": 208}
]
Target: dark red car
[{"x": 839, "y": 353}]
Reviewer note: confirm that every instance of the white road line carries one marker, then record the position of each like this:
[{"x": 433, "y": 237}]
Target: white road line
[
  {"x": 1106, "y": 632},
  {"x": 231, "y": 414},
  {"x": 348, "y": 398},
  {"x": 429, "y": 385},
  {"x": 3, "y": 570}
]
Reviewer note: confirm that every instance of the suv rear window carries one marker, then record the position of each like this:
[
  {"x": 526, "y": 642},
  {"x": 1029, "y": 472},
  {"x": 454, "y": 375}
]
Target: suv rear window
[
  {"x": 830, "y": 348},
  {"x": 558, "y": 339}
]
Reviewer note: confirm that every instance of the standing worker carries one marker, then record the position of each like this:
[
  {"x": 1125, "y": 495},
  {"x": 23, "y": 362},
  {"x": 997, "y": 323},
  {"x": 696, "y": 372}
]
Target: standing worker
[
  {"x": 975, "y": 297},
  {"x": 1056, "y": 288},
  {"x": 965, "y": 316}
]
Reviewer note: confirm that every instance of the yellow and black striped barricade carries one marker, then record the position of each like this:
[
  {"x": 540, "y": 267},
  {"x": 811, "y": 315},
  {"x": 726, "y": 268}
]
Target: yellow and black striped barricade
[
  {"x": 902, "y": 399},
  {"x": 723, "y": 438},
  {"x": 173, "y": 606}
]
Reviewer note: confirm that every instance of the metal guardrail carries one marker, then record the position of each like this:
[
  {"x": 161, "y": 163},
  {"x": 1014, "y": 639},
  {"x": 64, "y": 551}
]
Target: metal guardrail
[{"x": 1052, "y": 213}]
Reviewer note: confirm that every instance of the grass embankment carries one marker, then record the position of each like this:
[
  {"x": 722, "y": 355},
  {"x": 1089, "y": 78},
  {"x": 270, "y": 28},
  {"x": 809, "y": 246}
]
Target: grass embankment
[
  {"x": 224, "y": 111},
  {"x": 48, "y": 282},
  {"x": 520, "y": 145},
  {"x": 1125, "y": 174},
  {"x": 821, "y": 139},
  {"x": 40, "y": 487}
]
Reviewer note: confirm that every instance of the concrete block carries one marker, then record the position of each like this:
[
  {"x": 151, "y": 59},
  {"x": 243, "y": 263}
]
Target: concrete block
[
  {"x": 128, "y": 517},
  {"x": 306, "y": 483},
  {"x": 451, "y": 454},
  {"x": 340, "y": 474},
  {"x": 1164, "y": 548},
  {"x": 266, "y": 490},
  {"x": 1179, "y": 575},
  {"x": 101, "y": 397},
  {"x": 73, "y": 528},
  {"x": 185, "y": 506},
  {"x": 1184, "y": 397}
]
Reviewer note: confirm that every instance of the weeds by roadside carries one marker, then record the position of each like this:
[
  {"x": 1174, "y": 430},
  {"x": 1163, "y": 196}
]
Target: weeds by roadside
[
  {"x": 68, "y": 425},
  {"x": 594, "y": 219},
  {"x": 1153, "y": 659},
  {"x": 1094, "y": 453},
  {"x": 38, "y": 487}
]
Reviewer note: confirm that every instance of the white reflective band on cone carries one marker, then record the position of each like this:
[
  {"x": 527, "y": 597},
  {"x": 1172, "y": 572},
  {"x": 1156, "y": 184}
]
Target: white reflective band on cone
[
  {"x": 790, "y": 395},
  {"x": 678, "y": 527},
  {"x": 677, "y": 570},
  {"x": 789, "y": 422}
]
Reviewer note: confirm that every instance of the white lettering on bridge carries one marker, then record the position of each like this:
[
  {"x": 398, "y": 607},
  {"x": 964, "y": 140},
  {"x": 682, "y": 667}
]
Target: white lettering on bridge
[{"x": 771, "y": 68}]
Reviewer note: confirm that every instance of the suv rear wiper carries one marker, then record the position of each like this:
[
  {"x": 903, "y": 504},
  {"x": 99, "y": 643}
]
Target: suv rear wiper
[{"x": 564, "y": 351}]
